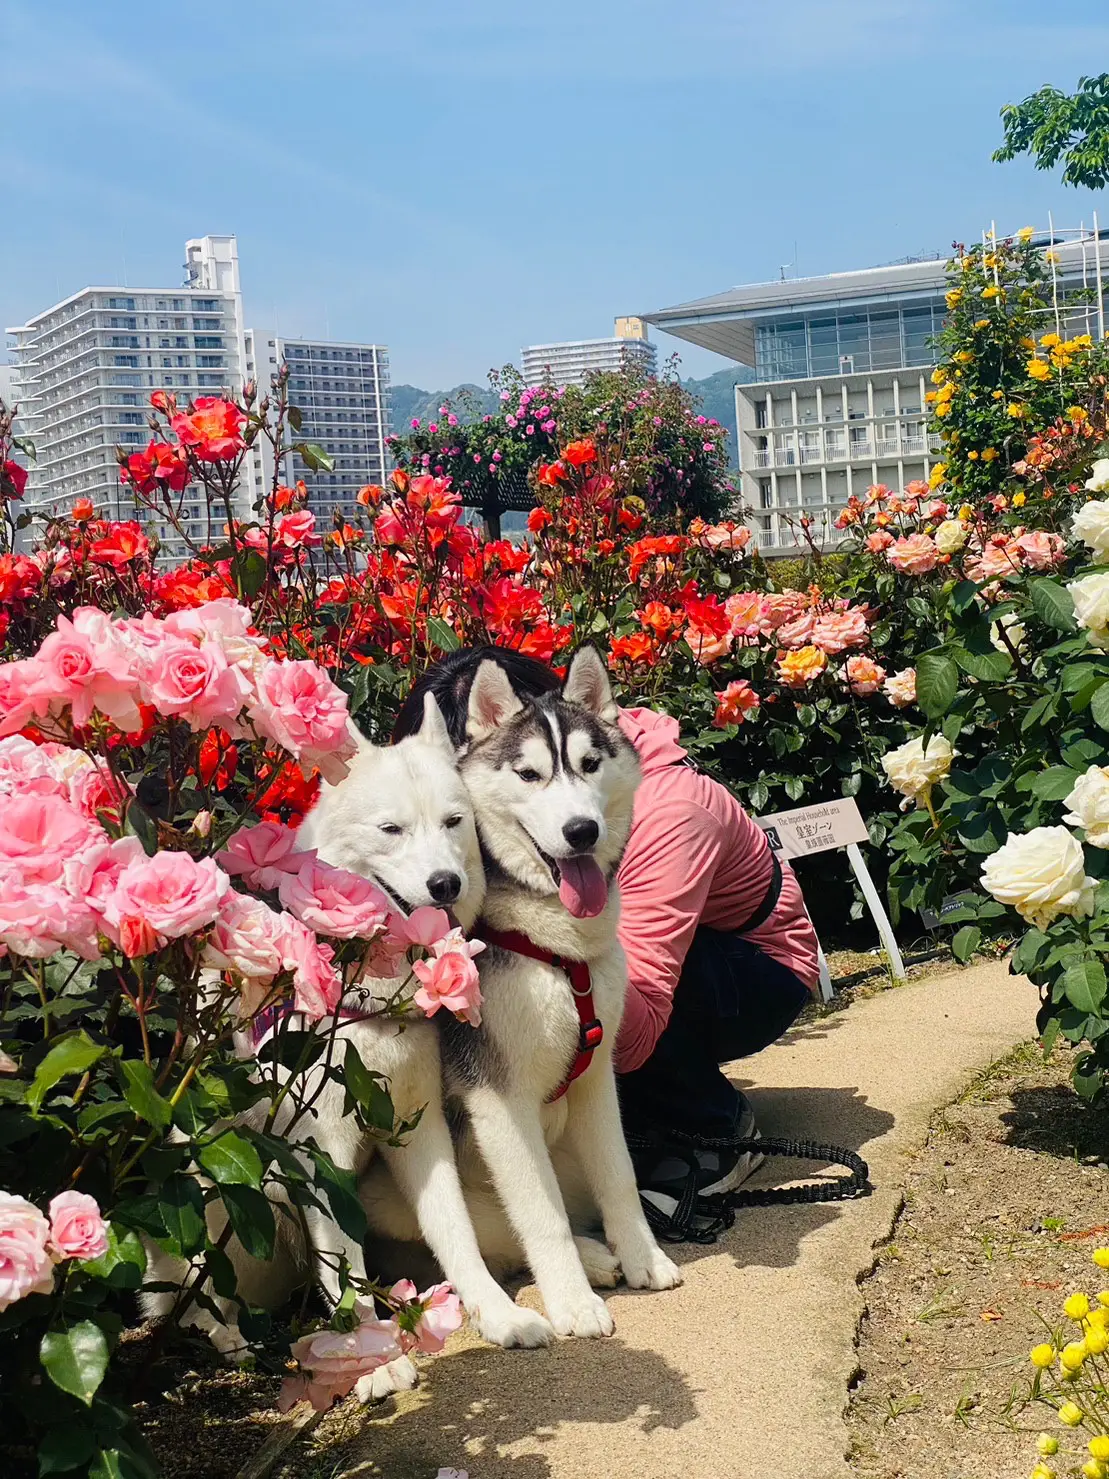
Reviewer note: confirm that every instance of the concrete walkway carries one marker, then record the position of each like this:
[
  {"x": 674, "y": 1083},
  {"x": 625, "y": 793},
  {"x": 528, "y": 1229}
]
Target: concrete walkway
[{"x": 743, "y": 1371}]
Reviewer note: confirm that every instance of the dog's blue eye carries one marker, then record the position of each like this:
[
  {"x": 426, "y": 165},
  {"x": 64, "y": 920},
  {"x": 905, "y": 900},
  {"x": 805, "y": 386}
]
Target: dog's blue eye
[
  {"x": 529, "y": 775},
  {"x": 590, "y": 763},
  {"x": 452, "y": 822},
  {"x": 390, "y": 829}
]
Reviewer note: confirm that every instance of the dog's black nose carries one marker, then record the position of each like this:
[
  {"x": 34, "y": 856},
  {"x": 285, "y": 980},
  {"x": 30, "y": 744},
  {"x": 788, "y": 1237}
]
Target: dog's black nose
[
  {"x": 444, "y": 887},
  {"x": 581, "y": 832}
]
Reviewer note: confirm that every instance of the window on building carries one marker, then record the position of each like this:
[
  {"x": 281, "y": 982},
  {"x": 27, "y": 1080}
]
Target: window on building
[{"x": 126, "y": 303}]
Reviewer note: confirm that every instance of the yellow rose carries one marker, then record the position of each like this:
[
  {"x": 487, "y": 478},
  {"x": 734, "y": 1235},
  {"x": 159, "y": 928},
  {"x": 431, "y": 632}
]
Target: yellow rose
[
  {"x": 996, "y": 395},
  {"x": 1049, "y": 341},
  {"x": 937, "y": 475},
  {"x": 796, "y": 669},
  {"x": 954, "y": 297},
  {"x": 1076, "y": 413},
  {"x": 1051, "y": 256},
  {"x": 990, "y": 454},
  {"x": 1039, "y": 369},
  {"x": 972, "y": 456},
  {"x": 1025, "y": 233},
  {"x": 1019, "y": 500},
  {"x": 939, "y": 375},
  {"x": 1017, "y": 410},
  {"x": 1027, "y": 342},
  {"x": 964, "y": 356},
  {"x": 965, "y": 511},
  {"x": 943, "y": 408},
  {"x": 981, "y": 323}
]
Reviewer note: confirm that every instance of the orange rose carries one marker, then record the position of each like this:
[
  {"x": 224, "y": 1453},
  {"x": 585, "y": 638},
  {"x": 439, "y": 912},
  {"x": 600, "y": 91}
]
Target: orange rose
[
  {"x": 579, "y": 453},
  {"x": 735, "y": 703}
]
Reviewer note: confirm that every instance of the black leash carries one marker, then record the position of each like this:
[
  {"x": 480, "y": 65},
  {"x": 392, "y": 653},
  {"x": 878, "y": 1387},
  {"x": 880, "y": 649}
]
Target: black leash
[{"x": 701, "y": 1219}]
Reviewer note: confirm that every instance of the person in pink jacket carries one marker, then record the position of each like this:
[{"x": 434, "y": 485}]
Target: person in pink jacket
[{"x": 721, "y": 953}]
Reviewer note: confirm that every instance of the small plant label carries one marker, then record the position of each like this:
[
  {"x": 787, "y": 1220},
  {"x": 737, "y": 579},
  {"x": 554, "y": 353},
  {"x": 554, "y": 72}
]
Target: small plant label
[{"x": 812, "y": 829}]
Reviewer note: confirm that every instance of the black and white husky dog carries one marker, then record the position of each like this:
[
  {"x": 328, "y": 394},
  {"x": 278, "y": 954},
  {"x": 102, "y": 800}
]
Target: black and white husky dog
[{"x": 552, "y": 782}]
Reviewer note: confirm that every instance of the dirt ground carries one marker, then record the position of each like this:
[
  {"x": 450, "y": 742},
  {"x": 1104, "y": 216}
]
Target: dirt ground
[{"x": 1003, "y": 1207}]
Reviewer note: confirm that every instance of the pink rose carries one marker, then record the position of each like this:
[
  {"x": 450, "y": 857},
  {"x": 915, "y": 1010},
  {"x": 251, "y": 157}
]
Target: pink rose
[
  {"x": 880, "y": 540},
  {"x": 316, "y": 985},
  {"x": 440, "y": 1315},
  {"x": 333, "y": 901},
  {"x": 77, "y": 1229},
  {"x": 38, "y": 919},
  {"x": 779, "y": 607},
  {"x": 913, "y": 554},
  {"x": 248, "y": 937},
  {"x": 85, "y": 665},
  {"x": 196, "y": 684},
  {"x": 263, "y": 854},
  {"x": 25, "y": 1263},
  {"x": 744, "y": 609},
  {"x": 999, "y": 557},
  {"x": 224, "y": 624},
  {"x": 40, "y": 834},
  {"x": 900, "y": 689},
  {"x": 864, "y": 676},
  {"x": 424, "y": 926},
  {"x": 1041, "y": 551},
  {"x": 450, "y": 979},
  {"x": 726, "y": 536},
  {"x": 303, "y": 711},
  {"x": 171, "y": 892},
  {"x": 797, "y": 631},
  {"x": 295, "y": 530},
  {"x": 834, "y": 631},
  {"x": 21, "y": 698},
  {"x": 332, "y": 1362}
]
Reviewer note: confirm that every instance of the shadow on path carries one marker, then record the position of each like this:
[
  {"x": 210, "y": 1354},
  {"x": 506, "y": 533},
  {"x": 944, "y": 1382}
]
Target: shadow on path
[{"x": 476, "y": 1401}]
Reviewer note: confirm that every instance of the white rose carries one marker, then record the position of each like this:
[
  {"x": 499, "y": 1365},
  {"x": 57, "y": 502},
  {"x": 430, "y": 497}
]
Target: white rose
[
  {"x": 912, "y": 770},
  {"x": 950, "y": 536},
  {"x": 1098, "y": 481},
  {"x": 1091, "y": 606},
  {"x": 1091, "y": 525},
  {"x": 1089, "y": 805},
  {"x": 1041, "y": 874},
  {"x": 1014, "y": 630}
]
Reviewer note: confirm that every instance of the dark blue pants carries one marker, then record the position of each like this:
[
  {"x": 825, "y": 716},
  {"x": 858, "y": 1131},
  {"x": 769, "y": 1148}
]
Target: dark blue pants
[{"x": 731, "y": 1000}]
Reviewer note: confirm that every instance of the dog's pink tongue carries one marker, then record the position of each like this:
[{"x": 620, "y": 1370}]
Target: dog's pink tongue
[{"x": 582, "y": 889}]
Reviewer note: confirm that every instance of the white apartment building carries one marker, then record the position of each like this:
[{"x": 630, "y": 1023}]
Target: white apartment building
[
  {"x": 842, "y": 364},
  {"x": 84, "y": 369},
  {"x": 342, "y": 393},
  {"x": 569, "y": 363}
]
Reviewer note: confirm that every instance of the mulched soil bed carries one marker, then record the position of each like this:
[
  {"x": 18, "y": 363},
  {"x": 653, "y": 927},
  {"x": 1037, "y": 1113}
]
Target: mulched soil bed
[{"x": 1003, "y": 1207}]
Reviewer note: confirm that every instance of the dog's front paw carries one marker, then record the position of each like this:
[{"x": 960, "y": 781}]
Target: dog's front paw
[
  {"x": 602, "y": 1267},
  {"x": 587, "y": 1317},
  {"x": 651, "y": 1269},
  {"x": 514, "y": 1326},
  {"x": 398, "y": 1376}
]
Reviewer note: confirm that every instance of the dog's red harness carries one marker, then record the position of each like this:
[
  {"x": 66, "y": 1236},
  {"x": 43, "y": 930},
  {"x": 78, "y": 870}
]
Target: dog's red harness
[{"x": 590, "y": 1031}]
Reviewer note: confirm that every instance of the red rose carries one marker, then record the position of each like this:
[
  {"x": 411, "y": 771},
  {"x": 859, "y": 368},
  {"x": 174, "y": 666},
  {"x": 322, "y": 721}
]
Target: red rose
[
  {"x": 14, "y": 480},
  {"x": 213, "y": 429}
]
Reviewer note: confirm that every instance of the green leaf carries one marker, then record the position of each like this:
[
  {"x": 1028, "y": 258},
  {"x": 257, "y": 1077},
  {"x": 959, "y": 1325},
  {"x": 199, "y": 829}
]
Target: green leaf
[
  {"x": 232, "y": 1161},
  {"x": 1099, "y": 706},
  {"x": 296, "y": 420},
  {"x": 1085, "y": 985},
  {"x": 1055, "y": 783},
  {"x": 139, "y": 823},
  {"x": 795, "y": 787},
  {"x": 181, "y": 1205},
  {"x": 987, "y": 667},
  {"x": 758, "y": 795},
  {"x": 966, "y": 942},
  {"x": 125, "y": 1261},
  {"x": 1051, "y": 1032},
  {"x": 69, "y": 1055},
  {"x": 937, "y": 682},
  {"x": 250, "y": 568},
  {"x": 141, "y": 1095},
  {"x": 64, "y": 1448},
  {"x": 964, "y": 597},
  {"x": 367, "y": 1088},
  {"x": 251, "y": 1216},
  {"x": 314, "y": 457},
  {"x": 443, "y": 636},
  {"x": 1052, "y": 603},
  {"x": 340, "y": 1189},
  {"x": 76, "y": 1359}
]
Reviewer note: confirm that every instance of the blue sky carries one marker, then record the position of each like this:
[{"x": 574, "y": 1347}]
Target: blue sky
[{"x": 457, "y": 180}]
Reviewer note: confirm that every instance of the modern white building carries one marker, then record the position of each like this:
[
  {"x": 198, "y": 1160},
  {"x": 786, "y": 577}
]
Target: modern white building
[
  {"x": 842, "y": 364},
  {"x": 83, "y": 371},
  {"x": 342, "y": 393},
  {"x": 569, "y": 363}
]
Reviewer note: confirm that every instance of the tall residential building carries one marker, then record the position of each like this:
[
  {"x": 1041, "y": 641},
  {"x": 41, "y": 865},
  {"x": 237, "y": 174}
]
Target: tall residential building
[
  {"x": 568, "y": 364},
  {"x": 84, "y": 369},
  {"x": 842, "y": 364},
  {"x": 342, "y": 393}
]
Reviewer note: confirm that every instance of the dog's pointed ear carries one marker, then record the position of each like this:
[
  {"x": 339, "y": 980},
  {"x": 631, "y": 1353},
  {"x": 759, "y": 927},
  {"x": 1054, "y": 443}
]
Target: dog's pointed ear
[
  {"x": 587, "y": 685},
  {"x": 492, "y": 701},
  {"x": 433, "y": 730}
]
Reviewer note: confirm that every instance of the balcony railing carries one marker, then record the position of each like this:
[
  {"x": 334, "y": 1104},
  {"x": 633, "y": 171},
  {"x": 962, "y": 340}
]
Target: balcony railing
[{"x": 859, "y": 449}]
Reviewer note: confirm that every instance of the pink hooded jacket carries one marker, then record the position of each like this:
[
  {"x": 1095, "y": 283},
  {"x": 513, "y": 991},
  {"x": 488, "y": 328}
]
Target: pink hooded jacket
[{"x": 694, "y": 857}]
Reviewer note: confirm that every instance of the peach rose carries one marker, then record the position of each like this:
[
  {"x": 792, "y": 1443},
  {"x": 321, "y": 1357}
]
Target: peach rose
[
  {"x": 900, "y": 688},
  {"x": 864, "y": 676},
  {"x": 835, "y": 631},
  {"x": 913, "y": 554}
]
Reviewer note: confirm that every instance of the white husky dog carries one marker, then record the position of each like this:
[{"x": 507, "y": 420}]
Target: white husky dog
[
  {"x": 552, "y": 783},
  {"x": 403, "y": 818}
]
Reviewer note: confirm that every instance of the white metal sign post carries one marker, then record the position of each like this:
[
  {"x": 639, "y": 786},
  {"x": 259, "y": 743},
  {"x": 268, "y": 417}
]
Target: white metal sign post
[{"x": 820, "y": 828}]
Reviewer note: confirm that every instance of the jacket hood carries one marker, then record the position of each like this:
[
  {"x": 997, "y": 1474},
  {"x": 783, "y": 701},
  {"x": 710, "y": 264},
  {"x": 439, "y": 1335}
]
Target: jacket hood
[{"x": 655, "y": 737}]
